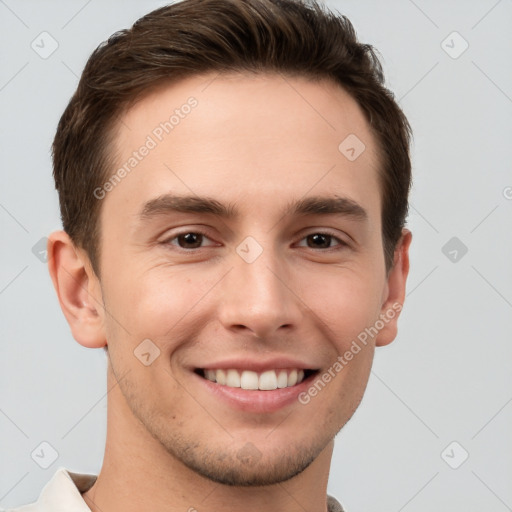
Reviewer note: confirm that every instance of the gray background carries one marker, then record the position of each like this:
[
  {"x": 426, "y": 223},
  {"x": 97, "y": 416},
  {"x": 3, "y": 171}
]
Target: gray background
[{"x": 447, "y": 377}]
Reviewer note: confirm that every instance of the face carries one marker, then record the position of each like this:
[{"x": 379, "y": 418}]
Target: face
[{"x": 243, "y": 249}]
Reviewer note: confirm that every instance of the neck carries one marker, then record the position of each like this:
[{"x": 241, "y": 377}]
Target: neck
[{"x": 138, "y": 472}]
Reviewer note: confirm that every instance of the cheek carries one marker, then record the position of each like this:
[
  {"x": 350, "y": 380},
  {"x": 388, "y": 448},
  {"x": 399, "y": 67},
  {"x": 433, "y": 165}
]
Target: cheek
[
  {"x": 159, "y": 303},
  {"x": 345, "y": 302}
]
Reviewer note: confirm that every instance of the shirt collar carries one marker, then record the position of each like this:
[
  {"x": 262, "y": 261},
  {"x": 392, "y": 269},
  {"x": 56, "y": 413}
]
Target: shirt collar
[{"x": 63, "y": 493}]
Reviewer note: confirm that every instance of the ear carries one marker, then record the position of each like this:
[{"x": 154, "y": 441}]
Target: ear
[
  {"x": 78, "y": 290},
  {"x": 394, "y": 292}
]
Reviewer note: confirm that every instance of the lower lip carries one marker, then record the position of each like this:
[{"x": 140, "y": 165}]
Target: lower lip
[{"x": 252, "y": 400}]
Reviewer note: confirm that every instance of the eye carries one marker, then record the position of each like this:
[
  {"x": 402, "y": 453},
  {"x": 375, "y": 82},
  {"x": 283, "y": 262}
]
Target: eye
[
  {"x": 322, "y": 241},
  {"x": 188, "y": 240}
]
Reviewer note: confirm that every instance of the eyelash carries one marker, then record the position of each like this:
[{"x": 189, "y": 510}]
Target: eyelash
[{"x": 341, "y": 243}]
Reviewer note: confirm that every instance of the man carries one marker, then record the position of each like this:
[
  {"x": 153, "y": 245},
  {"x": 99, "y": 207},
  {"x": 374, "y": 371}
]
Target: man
[{"x": 233, "y": 180}]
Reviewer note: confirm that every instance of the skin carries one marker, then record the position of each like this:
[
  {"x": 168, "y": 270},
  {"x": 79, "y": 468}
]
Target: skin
[{"x": 257, "y": 142}]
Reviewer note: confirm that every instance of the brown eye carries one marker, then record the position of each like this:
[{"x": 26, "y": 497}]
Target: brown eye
[
  {"x": 322, "y": 241},
  {"x": 190, "y": 240}
]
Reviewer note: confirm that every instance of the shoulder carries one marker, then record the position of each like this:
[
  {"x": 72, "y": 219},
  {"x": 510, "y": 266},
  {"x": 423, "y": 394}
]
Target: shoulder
[{"x": 333, "y": 505}]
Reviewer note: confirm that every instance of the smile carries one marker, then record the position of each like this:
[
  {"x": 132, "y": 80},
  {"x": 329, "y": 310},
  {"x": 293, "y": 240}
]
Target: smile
[{"x": 251, "y": 380}]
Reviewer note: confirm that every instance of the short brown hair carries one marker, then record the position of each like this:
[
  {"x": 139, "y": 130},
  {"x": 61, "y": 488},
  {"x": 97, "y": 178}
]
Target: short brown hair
[{"x": 191, "y": 37}]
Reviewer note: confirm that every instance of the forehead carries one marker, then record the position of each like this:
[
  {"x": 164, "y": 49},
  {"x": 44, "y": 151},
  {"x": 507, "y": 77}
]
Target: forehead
[{"x": 259, "y": 139}]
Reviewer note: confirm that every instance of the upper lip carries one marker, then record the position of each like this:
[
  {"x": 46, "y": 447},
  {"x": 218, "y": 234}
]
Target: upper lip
[{"x": 258, "y": 365}]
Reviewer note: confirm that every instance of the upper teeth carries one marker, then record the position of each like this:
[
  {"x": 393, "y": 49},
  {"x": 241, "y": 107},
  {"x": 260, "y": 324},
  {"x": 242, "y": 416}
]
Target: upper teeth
[{"x": 268, "y": 380}]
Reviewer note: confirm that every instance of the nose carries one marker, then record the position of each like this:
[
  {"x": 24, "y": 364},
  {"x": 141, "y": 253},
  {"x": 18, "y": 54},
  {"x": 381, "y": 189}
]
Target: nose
[{"x": 259, "y": 297}]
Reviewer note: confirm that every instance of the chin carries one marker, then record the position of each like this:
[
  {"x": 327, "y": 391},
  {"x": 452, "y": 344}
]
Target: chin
[{"x": 247, "y": 467}]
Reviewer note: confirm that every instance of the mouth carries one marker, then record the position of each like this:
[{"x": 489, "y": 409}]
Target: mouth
[{"x": 268, "y": 380}]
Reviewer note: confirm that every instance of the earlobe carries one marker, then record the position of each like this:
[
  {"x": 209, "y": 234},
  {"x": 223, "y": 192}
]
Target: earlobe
[
  {"x": 395, "y": 291},
  {"x": 77, "y": 289}
]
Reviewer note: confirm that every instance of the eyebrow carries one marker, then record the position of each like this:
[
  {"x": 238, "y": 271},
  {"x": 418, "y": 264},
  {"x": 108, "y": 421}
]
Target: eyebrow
[
  {"x": 319, "y": 205},
  {"x": 316, "y": 205}
]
